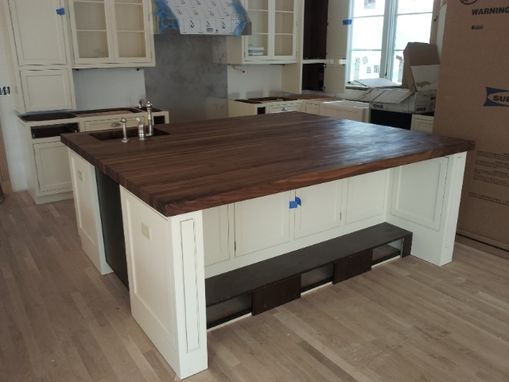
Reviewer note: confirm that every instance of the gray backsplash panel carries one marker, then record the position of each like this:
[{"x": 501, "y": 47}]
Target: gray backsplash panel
[{"x": 186, "y": 80}]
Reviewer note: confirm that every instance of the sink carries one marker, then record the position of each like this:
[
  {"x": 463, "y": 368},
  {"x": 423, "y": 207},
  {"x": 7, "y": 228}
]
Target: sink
[{"x": 131, "y": 133}]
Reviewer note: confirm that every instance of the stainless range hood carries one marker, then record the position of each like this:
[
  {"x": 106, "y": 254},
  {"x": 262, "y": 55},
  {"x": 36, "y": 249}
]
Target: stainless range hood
[{"x": 202, "y": 17}]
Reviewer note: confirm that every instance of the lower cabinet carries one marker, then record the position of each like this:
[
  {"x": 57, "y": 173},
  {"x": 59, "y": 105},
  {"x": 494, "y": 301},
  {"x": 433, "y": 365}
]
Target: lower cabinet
[
  {"x": 52, "y": 167},
  {"x": 254, "y": 230},
  {"x": 49, "y": 89}
]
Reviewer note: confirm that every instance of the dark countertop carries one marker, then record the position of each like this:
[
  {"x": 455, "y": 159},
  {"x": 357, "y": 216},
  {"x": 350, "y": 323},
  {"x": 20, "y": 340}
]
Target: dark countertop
[{"x": 205, "y": 164}]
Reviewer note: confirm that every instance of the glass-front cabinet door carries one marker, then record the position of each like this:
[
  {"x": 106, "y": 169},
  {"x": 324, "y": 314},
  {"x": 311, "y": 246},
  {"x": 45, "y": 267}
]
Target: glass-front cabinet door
[
  {"x": 111, "y": 31},
  {"x": 273, "y": 31},
  {"x": 131, "y": 34},
  {"x": 90, "y": 31}
]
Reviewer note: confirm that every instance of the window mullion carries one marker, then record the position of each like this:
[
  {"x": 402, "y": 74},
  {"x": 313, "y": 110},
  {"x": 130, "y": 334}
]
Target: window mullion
[{"x": 391, "y": 10}]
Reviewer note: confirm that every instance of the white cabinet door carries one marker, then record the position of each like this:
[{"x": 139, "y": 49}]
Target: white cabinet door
[
  {"x": 39, "y": 32},
  {"x": 52, "y": 167},
  {"x": 50, "y": 89},
  {"x": 215, "y": 235},
  {"x": 366, "y": 196},
  {"x": 320, "y": 208},
  {"x": 295, "y": 106},
  {"x": 263, "y": 222},
  {"x": 111, "y": 32}
]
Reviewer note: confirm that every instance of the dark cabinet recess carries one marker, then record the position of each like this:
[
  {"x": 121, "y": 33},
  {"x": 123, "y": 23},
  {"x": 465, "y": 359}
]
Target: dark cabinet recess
[
  {"x": 313, "y": 77},
  {"x": 315, "y": 29}
]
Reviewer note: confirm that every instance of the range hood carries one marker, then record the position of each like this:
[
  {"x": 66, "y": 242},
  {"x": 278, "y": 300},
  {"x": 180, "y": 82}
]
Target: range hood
[{"x": 202, "y": 17}]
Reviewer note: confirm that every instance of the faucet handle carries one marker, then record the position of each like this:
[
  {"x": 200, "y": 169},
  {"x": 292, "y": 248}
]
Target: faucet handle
[{"x": 123, "y": 123}]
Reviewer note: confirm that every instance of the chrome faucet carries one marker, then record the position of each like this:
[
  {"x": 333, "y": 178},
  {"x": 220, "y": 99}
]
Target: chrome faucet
[{"x": 150, "y": 119}]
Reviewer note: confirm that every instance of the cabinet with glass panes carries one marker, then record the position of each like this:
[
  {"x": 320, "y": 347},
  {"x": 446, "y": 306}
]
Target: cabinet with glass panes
[
  {"x": 112, "y": 33},
  {"x": 273, "y": 37}
]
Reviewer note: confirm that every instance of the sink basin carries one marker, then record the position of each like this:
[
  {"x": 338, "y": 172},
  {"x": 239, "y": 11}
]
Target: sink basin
[{"x": 131, "y": 133}]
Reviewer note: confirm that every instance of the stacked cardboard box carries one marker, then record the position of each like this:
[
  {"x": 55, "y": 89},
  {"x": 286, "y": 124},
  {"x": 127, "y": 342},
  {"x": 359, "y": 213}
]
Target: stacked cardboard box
[{"x": 473, "y": 103}]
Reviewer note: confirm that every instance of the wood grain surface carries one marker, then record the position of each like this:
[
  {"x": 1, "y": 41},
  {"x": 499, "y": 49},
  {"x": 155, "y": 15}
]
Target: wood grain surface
[
  {"x": 5, "y": 181},
  {"x": 209, "y": 163},
  {"x": 402, "y": 322}
]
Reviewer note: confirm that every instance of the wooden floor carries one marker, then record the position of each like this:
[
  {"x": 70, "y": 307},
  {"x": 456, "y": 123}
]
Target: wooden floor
[{"x": 406, "y": 321}]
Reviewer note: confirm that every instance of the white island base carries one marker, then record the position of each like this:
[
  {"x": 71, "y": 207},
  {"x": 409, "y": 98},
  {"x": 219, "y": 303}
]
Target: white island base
[{"x": 169, "y": 257}]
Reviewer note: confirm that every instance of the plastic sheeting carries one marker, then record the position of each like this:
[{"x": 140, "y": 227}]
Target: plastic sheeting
[{"x": 205, "y": 17}]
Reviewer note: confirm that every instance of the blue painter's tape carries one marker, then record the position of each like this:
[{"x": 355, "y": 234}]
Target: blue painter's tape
[
  {"x": 347, "y": 22},
  {"x": 60, "y": 11},
  {"x": 165, "y": 17},
  {"x": 293, "y": 204},
  {"x": 298, "y": 201}
]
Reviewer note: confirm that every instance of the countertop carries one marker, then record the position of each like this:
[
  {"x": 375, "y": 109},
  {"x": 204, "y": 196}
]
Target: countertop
[{"x": 209, "y": 163}]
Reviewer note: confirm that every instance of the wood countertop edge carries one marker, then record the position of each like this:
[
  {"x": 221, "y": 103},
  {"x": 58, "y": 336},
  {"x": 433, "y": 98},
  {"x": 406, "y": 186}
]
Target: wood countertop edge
[{"x": 214, "y": 199}]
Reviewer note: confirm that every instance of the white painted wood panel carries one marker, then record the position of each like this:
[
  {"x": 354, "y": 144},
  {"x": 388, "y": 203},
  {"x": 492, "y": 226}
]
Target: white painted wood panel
[
  {"x": 39, "y": 32},
  {"x": 88, "y": 217},
  {"x": 320, "y": 209},
  {"x": 50, "y": 89},
  {"x": 215, "y": 235},
  {"x": 165, "y": 263},
  {"x": 418, "y": 193},
  {"x": 263, "y": 222},
  {"x": 366, "y": 196},
  {"x": 52, "y": 165}
]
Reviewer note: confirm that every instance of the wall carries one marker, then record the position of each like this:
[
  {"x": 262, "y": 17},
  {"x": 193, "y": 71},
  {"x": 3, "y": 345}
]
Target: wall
[
  {"x": 8, "y": 120},
  {"x": 106, "y": 88},
  {"x": 187, "y": 81},
  {"x": 249, "y": 81}
]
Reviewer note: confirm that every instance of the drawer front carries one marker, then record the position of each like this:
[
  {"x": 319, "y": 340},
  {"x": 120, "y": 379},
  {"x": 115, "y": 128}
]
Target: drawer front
[
  {"x": 283, "y": 108},
  {"x": 110, "y": 123}
]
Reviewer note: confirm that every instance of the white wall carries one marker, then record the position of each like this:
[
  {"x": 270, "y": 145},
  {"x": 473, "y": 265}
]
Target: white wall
[
  {"x": 249, "y": 81},
  {"x": 8, "y": 119},
  {"x": 107, "y": 88}
]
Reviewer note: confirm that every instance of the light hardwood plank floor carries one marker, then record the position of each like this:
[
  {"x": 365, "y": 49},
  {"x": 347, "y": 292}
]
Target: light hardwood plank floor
[{"x": 405, "y": 321}]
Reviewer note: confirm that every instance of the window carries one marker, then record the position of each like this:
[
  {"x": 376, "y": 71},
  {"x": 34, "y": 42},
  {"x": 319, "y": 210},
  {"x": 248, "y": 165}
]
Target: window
[{"x": 381, "y": 30}]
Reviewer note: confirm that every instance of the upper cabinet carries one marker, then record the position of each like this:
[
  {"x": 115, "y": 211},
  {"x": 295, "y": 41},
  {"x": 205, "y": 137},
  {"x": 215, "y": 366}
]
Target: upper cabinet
[
  {"x": 274, "y": 34},
  {"x": 39, "y": 32},
  {"x": 108, "y": 33}
]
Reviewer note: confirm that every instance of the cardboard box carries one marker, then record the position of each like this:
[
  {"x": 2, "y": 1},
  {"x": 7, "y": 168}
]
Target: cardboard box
[
  {"x": 473, "y": 103},
  {"x": 417, "y": 93}
]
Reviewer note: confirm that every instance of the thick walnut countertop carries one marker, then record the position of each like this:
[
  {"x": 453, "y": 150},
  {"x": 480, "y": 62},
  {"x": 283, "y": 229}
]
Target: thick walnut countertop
[{"x": 210, "y": 163}]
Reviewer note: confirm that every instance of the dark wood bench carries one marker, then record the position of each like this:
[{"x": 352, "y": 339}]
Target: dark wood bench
[{"x": 269, "y": 283}]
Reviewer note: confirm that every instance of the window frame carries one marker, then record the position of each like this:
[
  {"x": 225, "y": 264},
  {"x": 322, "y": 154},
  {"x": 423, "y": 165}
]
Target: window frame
[{"x": 388, "y": 38}]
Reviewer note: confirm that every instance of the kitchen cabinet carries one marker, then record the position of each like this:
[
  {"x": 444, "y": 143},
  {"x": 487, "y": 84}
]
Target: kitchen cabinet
[
  {"x": 112, "y": 33},
  {"x": 39, "y": 32},
  {"x": 52, "y": 166},
  {"x": 261, "y": 228},
  {"x": 275, "y": 28},
  {"x": 423, "y": 123},
  {"x": 47, "y": 89},
  {"x": 40, "y": 49}
]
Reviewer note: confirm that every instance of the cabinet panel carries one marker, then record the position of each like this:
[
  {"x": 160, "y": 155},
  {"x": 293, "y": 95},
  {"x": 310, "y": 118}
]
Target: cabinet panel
[
  {"x": 320, "y": 209},
  {"x": 366, "y": 196},
  {"x": 39, "y": 32},
  {"x": 52, "y": 167},
  {"x": 262, "y": 223},
  {"x": 419, "y": 190},
  {"x": 215, "y": 235},
  {"x": 47, "y": 89}
]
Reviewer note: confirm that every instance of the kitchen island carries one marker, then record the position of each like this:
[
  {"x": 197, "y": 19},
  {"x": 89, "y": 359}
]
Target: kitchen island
[{"x": 205, "y": 198}]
